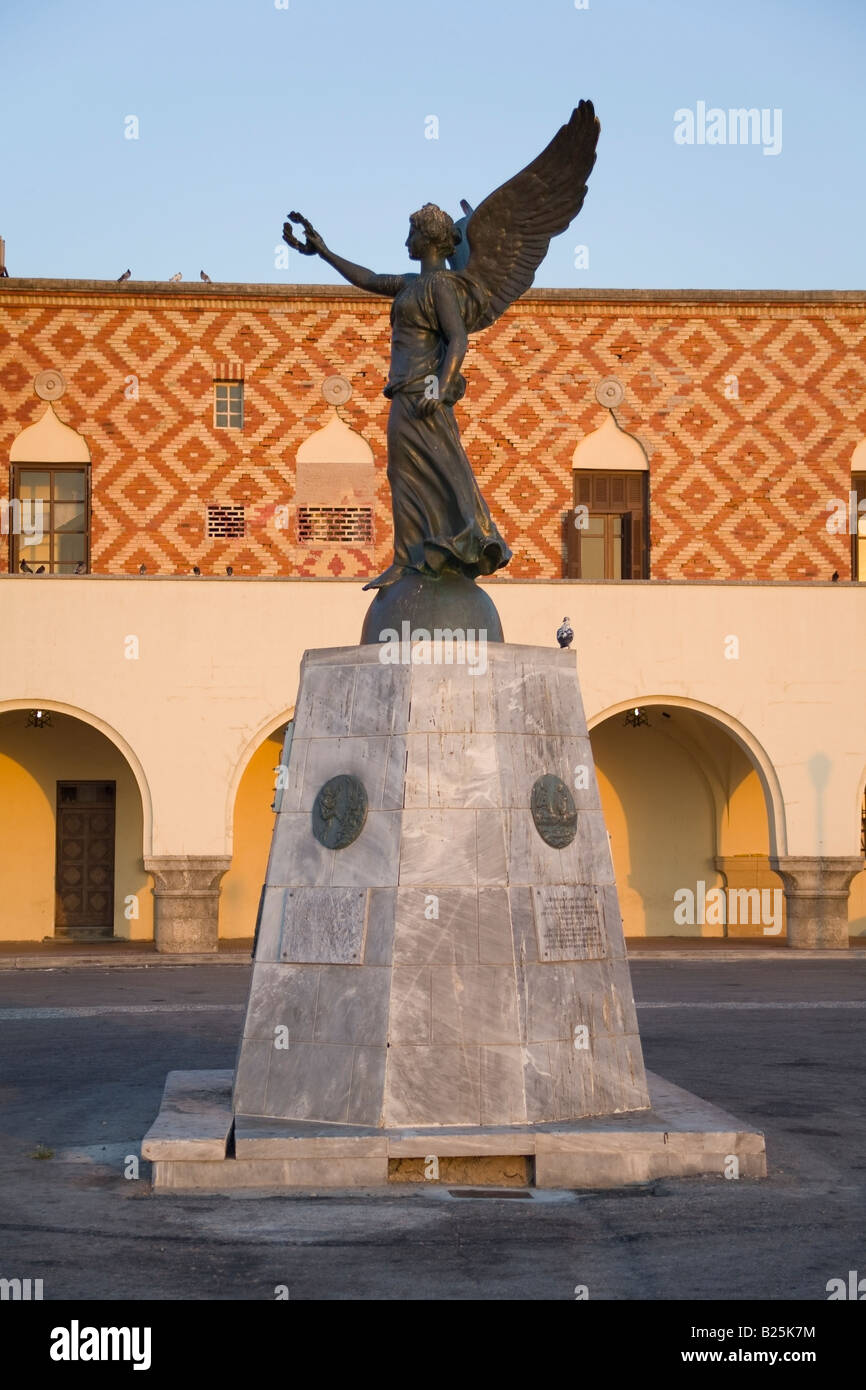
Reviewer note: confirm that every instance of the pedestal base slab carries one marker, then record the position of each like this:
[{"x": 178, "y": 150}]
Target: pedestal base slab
[{"x": 679, "y": 1136}]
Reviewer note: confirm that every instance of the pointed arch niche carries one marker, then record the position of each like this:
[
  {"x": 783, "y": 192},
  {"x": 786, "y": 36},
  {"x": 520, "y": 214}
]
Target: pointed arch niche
[
  {"x": 608, "y": 534},
  {"x": 335, "y": 487},
  {"x": 49, "y": 506}
]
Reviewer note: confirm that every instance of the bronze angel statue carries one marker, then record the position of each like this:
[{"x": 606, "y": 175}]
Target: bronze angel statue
[{"x": 442, "y": 525}]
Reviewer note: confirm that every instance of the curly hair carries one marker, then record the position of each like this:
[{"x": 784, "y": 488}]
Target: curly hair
[{"x": 436, "y": 227}]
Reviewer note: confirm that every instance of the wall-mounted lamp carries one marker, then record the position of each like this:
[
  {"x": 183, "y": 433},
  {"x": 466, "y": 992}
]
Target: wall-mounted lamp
[
  {"x": 635, "y": 717},
  {"x": 38, "y": 719}
]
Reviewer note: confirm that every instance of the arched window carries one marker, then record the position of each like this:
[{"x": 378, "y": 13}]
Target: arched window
[
  {"x": 608, "y": 532},
  {"x": 48, "y": 514}
]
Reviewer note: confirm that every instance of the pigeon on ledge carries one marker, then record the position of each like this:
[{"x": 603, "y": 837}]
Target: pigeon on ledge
[{"x": 125, "y": 276}]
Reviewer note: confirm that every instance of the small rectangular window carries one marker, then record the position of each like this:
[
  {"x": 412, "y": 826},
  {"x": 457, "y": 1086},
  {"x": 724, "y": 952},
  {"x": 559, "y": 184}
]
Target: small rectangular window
[{"x": 228, "y": 405}]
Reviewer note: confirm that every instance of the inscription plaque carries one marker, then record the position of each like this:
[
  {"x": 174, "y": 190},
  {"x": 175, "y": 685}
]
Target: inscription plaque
[
  {"x": 568, "y": 923},
  {"x": 553, "y": 811},
  {"x": 323, "y": 926},
  {"x": 339, "y": 811}
]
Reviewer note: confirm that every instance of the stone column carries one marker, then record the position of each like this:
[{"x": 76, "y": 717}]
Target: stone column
[
  {"x": 186, "y": 896},
  {"x": 816, "y": 894}
]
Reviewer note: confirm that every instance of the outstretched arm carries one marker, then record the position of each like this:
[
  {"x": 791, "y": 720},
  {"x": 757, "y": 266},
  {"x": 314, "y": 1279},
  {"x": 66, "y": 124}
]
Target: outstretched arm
[{"x": 359, "y": 275}]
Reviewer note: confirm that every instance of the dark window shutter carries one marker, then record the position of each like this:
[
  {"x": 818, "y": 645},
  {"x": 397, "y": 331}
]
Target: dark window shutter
[{"x": 613, "y": 494}]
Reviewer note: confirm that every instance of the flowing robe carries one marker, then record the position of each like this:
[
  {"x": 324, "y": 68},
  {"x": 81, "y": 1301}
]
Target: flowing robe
[{"x": 441, "y": 521}]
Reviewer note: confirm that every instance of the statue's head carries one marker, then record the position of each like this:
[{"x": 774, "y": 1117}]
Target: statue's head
[{"x": 431, "y": 229}]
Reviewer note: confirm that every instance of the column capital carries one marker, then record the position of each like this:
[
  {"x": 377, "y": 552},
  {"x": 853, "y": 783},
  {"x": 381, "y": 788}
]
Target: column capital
[
  {"x": 186, "y": 900},
  {"x": 816, "y": 892}
]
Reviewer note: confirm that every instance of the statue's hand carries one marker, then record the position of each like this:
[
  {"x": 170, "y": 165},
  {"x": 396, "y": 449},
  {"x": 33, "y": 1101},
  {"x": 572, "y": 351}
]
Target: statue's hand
[
  {"x": 314, "y": 244},
  {"x": 427, "y": 406}
]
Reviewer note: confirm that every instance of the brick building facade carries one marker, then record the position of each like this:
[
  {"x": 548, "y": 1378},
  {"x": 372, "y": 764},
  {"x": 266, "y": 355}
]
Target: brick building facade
[{"x": 748, "y": 406}]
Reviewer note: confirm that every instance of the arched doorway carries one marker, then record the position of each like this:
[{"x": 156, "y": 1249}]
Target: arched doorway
[
  {"x": 72, "y": 831},
  {"x": 252, "y": 828},
  {"x": 857, "y": 894},
  {"x": 693, "y": 818}
]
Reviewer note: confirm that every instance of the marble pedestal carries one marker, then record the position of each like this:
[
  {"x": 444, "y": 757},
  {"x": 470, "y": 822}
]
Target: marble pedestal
[
  {"x": 459, "y": 962},
  {"x": 198, "y": 1144}
]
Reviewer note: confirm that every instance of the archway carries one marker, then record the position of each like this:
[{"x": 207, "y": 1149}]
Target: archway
[
  {"x": 857, "y": 892},
  {"x": 251, "y": 799},
  {"x": 692, "y": 805},
  {"x": 72, "y": 824}
]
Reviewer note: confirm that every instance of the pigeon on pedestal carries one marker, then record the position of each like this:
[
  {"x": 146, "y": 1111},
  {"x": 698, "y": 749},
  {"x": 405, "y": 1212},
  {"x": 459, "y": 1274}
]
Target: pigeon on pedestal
[{"x": 565, "y": 634}]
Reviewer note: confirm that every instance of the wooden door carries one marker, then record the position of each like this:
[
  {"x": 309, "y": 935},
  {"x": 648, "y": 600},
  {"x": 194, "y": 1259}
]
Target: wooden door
[{"x": 84, "y": 896}]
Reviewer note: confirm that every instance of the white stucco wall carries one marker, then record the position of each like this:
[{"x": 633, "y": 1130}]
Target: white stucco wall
[{"x": 217, "y": 670}]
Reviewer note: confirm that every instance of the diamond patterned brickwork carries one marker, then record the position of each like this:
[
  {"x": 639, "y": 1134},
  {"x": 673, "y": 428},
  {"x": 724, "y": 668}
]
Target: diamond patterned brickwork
[{"x": 739, "y": 485}]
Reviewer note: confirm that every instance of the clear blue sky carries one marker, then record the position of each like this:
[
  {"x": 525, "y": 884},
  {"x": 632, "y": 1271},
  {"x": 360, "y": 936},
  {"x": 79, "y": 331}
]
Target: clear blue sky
[{"x": 247, "y": 110}]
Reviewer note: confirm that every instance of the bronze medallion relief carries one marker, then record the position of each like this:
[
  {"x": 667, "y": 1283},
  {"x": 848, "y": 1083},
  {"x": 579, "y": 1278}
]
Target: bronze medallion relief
[
  {"x": 339, "y": 811},
  {"x": 553, "y": 811}
]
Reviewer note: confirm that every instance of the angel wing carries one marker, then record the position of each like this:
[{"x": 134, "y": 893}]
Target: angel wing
[{"x": 509, "y": 233}]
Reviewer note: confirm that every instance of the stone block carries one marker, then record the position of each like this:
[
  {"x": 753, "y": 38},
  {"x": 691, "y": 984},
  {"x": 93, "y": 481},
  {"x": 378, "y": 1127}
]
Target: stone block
[
  {"x": 433, "y": 1085},
  {"x": 283, "y": 997},
  {"x": 490, "y": 851},
  {"x": 495, "y": 940},
  {"x": 381, "y": 699},
  {"x": 410, "y": 1018},
  {"x": 310, "y": 1081},
  {"x": 381, "y": 913},
  {"x": 324, "y": 704},
  {"x": 435, "y": 928},
  {"x": 296, "y": 856},
  {"x": 377, "y": 762},
  {"x": 463, "y": 771},
  {"x": 268, "y": 1139},
  {"x": 438, "y": 847},
  {"x": 269, "y": 926},
  {"x": 195, "y": 1117},
  {"x": 367, "y": 1086},
  {"x": 352, "y": 1005},
  {"x": 443, "y": 700},
  {"x": 503, "y": 1090},
  {"x": 474, "y": 1005},
  {"x": 251, "y": 1076},
  {"x": 371, "y": 860}
]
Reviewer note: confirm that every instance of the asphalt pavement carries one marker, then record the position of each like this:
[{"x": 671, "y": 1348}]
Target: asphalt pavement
[{"x": 83, "y": 1059}]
